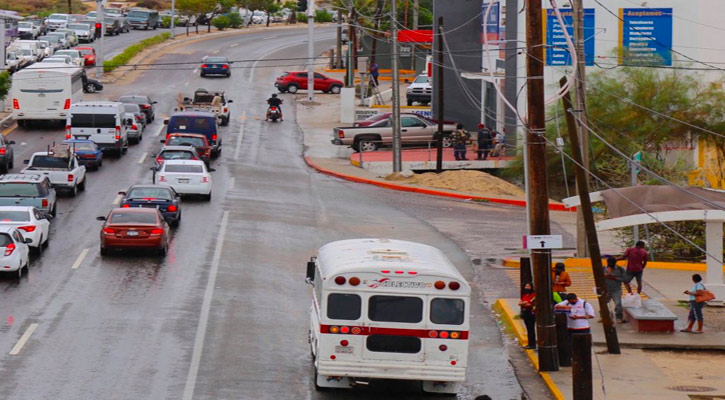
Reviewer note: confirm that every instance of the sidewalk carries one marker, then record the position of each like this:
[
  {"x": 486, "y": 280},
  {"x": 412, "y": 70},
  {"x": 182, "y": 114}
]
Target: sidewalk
[{"x": 381, "y": 161}]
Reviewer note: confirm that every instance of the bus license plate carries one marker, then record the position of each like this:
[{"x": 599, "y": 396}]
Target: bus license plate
[{"x": 344, "y": 349}]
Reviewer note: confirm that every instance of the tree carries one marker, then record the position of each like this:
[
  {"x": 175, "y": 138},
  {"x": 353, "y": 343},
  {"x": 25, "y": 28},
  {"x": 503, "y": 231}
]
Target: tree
[
  {"x": 191, "y": 7},
  {"x": 292, "y": 6},
  {"x": 5, "y": 81}
]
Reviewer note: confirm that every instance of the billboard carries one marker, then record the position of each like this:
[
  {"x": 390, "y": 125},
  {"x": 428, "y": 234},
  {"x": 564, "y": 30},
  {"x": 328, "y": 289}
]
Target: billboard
[
  {"x": 645, "y": 36},
  {"x": 557, "y": 53}
]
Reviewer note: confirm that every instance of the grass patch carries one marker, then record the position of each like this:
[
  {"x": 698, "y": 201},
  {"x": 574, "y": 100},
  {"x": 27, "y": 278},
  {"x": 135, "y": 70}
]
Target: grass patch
[
  {"x": 507, "y": 327},
  {"x": 131, "y": 51}
]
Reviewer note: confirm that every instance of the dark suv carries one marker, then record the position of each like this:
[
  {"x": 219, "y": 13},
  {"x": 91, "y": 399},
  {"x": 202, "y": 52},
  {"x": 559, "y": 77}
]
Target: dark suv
[
  {"x": 6, "y": 154},
  {"x": 32, "y": 190},
  {"x": 144, "y": 102}
]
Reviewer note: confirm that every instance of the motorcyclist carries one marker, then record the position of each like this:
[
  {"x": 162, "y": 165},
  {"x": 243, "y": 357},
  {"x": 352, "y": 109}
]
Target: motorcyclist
[{"x": 275, "y": 101}]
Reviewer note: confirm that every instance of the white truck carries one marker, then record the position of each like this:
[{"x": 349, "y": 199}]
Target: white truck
[
  {"x": 61, "y": 166},
  {"x": 205, "y": 100}
]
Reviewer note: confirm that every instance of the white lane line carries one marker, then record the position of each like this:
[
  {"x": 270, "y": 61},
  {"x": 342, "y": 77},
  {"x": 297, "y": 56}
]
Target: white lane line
[
  {"x": 23, "y": 339},
  {"x": 231, "y": 183},
  {"x": 117, "y": 199},
  {"x": 204, "y": 317},
  {"x": 215, "y": 51},
  {"x": 186, "y": 84},
  {"x": 143, "y": 157},
  {"x": 195, "y": 70},
  {"x": 240, "y": 136},
  {"x": 234, "y": 45},
  {"x": 161, "y": 129},
  {"x": 269, "y": 37},
  {"x": 80, "y": 259}
]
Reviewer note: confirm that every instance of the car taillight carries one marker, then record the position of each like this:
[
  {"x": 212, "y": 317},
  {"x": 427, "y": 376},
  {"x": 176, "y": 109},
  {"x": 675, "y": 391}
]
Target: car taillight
[
  {"x": 341, "y": 133},
  {"x": 44, "y": 203},
  {"x": 125, "y": 206},
  {"x": 139, "y": 117},
  {"x": 70, "y": 177},
  {"x": 9, "y": 249},
  {"x": 134, "y": 126},
  {"x": 204, "y": 66},
  {"x": 118, "y": 133},
  {"x": 204, "y": 179},
  {"x": 172, "y": 208},
  {"x": 272, "y": 108},
  {"x": 145, "y": 106},
  {"x": 159, "y": 160},
  {"x": 109, "y": 231},
  {"x": 2, "y": 151},
  {"x": 162, "y": 178},
  {"x": 27, "y": 228},
  {"x": 213, "y": 137},
  {"x": 226, "y": 109},
  {"x": 67, "y": 104},
  {"x": 225, "y": 67},
  {"x": 16, "y": 104},
  {"x": 157, "y": 231}
]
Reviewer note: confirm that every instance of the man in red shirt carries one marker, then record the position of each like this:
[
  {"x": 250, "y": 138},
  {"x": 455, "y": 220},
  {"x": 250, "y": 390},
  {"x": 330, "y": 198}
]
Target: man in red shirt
[{"x": 636, "y": 262}]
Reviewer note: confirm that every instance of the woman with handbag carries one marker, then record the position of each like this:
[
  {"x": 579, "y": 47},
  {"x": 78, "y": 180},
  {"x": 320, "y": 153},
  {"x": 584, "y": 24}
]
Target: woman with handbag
[{"x": 698, "y": 298}]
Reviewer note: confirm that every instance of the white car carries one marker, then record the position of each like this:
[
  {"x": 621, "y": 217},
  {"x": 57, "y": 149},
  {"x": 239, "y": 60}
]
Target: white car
[
  {"x": 14, "y": 252},
  {"x": 75, "y": 56},
  {"x": 47, "y": 48},
  {"x": 185, "y": 177},
  {"x": 58, "y": 59},
  {"x": 33, "y": 224}
]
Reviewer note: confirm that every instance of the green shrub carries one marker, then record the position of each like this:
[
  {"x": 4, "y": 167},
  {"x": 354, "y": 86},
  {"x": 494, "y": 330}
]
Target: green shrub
[
  {"x": 235, "y": 20},
  {"x": 221, "y": 22},
  {"x": 5, "y": 81},
  {"x": 131, "y": 51},
  {"x": 323, "y": 16},
  {"x": 166, "y": 22}
]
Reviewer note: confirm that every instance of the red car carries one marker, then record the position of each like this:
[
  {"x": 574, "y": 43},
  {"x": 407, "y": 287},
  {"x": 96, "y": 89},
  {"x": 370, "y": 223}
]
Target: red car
[
  {"x": 199, "y": 142},
  {"x": 294, "y": 81},
  {"x": 134, "y": 228},
  {"x": 89, "y": 55}
]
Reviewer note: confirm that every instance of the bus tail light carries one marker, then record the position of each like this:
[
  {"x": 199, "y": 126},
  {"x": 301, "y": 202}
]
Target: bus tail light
[
  {"x": 354, "y": 281},
  {"x": 16, "y": 104},
  {"x": 340, "y": 280},
  {"x": 356, "y": 330},
  {"x": 433, "y": 334},
  {"x": 344, "y": 343},
  {"x": 454, "y": 285},
  {"x": 454, "y": 362},
  {"x": 118, "y": 132},
  {"x": 439, "y": 285},
  {"x": 345, "y": 329},
  {"x": 332, "y": 357},
  {"x": 67, "y": 104},
  {"x": 443, "y": 335},
  {"x": 455, "y": 335},
  {"x": 334, "y": 329},
  {"x": 443, "y": 347}
]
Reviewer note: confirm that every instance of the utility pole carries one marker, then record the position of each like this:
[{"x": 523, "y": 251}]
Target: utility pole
[
  {"x": 439, "y": 104},
  {"x": 538, "y": 188},
  {"x": 338, "y": 51},
  {"x": 581, "y": 109},
  {"x": 70, "y": 7},
  {"x": 99, "y": 53},
  {"x": 610, "y": 332},
  {"x": 397, "y": 163},
  {"x": 374, "y": 45},
  {"x": 310, "y": 50},
  {"x": 173, "y": 17},
  {"x": 415, "y": 27}
]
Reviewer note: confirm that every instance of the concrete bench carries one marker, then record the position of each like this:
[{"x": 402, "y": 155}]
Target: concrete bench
[{"x": 653, "y": 316}]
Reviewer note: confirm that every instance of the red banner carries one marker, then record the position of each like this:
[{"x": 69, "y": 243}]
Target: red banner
[{"x": 415, "y": 36}]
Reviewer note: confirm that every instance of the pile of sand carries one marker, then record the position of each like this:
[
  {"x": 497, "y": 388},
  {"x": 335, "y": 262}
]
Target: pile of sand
[{"x": 464, "y": 181}]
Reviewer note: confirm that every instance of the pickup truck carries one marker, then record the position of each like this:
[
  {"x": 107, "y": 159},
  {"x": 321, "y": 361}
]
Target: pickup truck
[
  {"x": 414, "y": 129},
  {"x": 205, "y": 100},
  {"x": 61, "y": 166}
]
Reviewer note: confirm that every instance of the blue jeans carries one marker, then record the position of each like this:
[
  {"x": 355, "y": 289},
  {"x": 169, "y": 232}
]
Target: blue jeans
[
  {"x": 459, "y": 151},
  {"x": 695, "y": 311}
]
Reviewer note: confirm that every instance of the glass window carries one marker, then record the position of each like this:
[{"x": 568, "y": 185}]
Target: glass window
[
  {"x": 421, "y": 79},
  {"x": 447, "y": 311},
  {"x": 93, "y": 120},
  {"x": 393, "y": 344},
  {"x": 8, "y": 216},
  {"x": 185, "y": 141},
  {"x": 408, "y": 122},
  {"x": 84, "y": 146},
  {"x": 19, "y": 190},
  {"x": 149, "y": 193},
  {"x": 5, "y": 239},
  {"x": 319, "y": 76},
  {"x": 49, "y": 162},
  {"x": 217, "y": 60},
  {"x": 192, "y": 169},
  {"x": 343, "y": 306},
  {"x": 395, "y": 309},
  {"x": 176, "y": 155},
  {"x": 124, "y": 217}
]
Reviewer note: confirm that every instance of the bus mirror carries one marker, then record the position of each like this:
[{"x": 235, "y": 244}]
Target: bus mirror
[{"x": 310, "y": 272}]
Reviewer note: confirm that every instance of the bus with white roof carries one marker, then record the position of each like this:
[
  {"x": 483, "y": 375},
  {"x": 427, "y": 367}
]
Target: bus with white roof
[
  {"x": 45, "y": 91},
  {"x": 387, "y": 309}
]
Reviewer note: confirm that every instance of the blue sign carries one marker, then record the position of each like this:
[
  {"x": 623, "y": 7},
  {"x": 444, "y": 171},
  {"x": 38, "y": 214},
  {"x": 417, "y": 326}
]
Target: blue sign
[
  {"x": 645, "y": 36},
  {"x": 493, "y": 29},
  {"x": 557, "y": 51}
]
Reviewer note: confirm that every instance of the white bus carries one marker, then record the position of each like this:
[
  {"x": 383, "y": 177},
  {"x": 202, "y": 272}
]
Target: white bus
[
  {"x": 45, "y": 91},
  {"x": 388, "y": 309}
]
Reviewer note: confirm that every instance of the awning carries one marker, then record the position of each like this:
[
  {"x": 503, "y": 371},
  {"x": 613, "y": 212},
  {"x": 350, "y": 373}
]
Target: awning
[{"x": 415, "y": 36}]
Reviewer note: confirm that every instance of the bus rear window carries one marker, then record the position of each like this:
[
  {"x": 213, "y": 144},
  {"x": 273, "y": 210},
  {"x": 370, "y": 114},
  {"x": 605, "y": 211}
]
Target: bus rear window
[
  {"x": 393, "y": 344},
  {"x": 343, "y": 306},
  {"x": 447, "y": 311},
  {"x": 395, "y": 309}
]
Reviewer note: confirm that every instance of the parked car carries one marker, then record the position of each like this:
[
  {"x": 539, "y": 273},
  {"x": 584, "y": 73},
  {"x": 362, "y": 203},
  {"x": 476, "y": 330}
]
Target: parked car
[
  {"x": 88, "y": 153},
  {"x": 86, "y": 32},
  {"x": 89, "y": 56},
  {"x": 296, "y": 80},
  {"x": 28, "y": 190},
  {"x": 216, "y": 66},
  {"x": 414, "y": 130},
  {"x": 134, "y": 228},
  {"x": 28, "y": 30},
  {"x": 419, "y": 91}
]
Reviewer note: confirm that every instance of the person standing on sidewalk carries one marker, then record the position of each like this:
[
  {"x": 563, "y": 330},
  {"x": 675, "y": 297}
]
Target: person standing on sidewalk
[
  {"x": 374, "y": 72},
  {"x": 485, "y": 142},
  {"x": 614, "y": 276},
  {"x": 636, "y": 262},
  {"x": 560, "y": 280},
  {"x": 698, "y": 289},
  {"x": 527, "y": 305},
  {"x": 579, "y": 314},
  {"x": 460, "y": 138}
]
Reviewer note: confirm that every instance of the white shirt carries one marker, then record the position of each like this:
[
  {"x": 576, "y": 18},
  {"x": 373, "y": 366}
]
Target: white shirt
[{"x": 581, "y": 308}]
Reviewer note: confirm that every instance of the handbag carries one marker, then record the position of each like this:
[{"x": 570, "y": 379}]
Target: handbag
[{"x": 705, "y": 296}]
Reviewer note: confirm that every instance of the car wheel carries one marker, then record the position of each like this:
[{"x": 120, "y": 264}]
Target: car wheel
[
  {"x": 366, "y": 145},
  {"x": 11, "y": 165},
  {"x": 100, "y": 162},
  {"x": 82, "y": 185},
  {"x": 207, "y": 197},
  {"x": 20, "y": 272},
  {"x": 410, "y": 102},
  {"x": 74, "y": 191},
  {"x": 39, "y": 250},
  {"x": 447, "y": 141},
  {"x": 293, "y": 88},
  {"x": 335, "y": 89},
  {"x": 203, "y": 74},
  {"x": 47, "y": 241},
  {"x": 162, "y": 251},
  {"x": 53, "y": 212},
  {"x": 4, "y": 169},
  {"x": 90, "y": 88},
  {"x": 104, "y": 251},
  {"x": 229, "y": 74}
]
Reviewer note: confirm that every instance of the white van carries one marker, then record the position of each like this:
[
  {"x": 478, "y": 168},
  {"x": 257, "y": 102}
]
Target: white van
[
  {"x": 45, "y": 91},
  {"x": 101, "y": 122},
  {"x": 32, "y": 45}
]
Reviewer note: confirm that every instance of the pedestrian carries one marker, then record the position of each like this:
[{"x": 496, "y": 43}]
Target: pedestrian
[
  {"x": 527, "y": 305},
  {"x": 636, "y": 262},
  {"x": 374, "y": 72},
  {"x": 579, "y": 312},
  {"x": 560, "y": 280},
  {"x": 485, "y": 142},
  {"x": 695, "y": 306},
  {"x": 614, "y": 275},
  {"x": 499, "y": 147},
  {"x": 460, "y": 138}
]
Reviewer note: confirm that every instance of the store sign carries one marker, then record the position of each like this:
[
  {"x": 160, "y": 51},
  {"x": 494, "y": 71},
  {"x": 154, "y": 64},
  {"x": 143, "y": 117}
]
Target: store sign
[
  {"x": 492, "y": 30},
  {"x": 645, "y": 36},
  {"x": 557, "y": 51}
]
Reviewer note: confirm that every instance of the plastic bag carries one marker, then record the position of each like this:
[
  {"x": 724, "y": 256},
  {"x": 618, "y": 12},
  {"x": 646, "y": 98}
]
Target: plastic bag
[{"x": 632, "y": 300}]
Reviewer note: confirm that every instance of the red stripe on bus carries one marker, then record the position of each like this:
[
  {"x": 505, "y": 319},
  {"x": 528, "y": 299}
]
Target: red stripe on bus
[{"x": 370, "y": 330}]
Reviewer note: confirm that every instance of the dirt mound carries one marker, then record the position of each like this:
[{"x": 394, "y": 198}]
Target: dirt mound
[{"x": 464, "y": 181}]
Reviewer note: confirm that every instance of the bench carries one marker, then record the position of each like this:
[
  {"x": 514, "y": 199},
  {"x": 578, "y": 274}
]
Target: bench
[{"x": 653, "y": 316}]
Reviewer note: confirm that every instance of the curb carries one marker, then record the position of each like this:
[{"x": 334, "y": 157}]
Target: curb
[
  {"x": 587, "y": 263},
  {"x": 433, "y": 192},
  {"x": 4, "y": 120},
  {"x": 508, "y": 314}
]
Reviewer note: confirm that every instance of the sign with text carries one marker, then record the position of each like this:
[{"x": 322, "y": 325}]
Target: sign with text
[
  {"x": 543, "y": 242},
  {"x": 557, "y": 51},
  {"x": 645, "y": 36}
]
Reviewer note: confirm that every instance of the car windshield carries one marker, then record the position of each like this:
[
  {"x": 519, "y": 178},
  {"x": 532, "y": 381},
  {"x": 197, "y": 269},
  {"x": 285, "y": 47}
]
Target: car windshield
[
  {"x": 51, "y": 39},
  {"x": 216, "y": 60},
  {"x": 69, "y": 53},
  {"x": 191, "y": 124},
  {"x": 10, "y": 216},
  {"x": 93, "y": 120},
  {"x": 58, "y": 16},
  {"x": 84, "y": 146},
  {"x": 25, "y": 25},
  {"x": 126, "y": 217},
  {"x": 49, "y": 162},
  {"x": 176, "y": 155},
  {"x": 26, "y": 52},
  {"x": 149, "y": 193},
  {"x": 79, "y": 26},
  {"x": 185, "y": 141},
  {"x": 194, "y": 169},
  {"x": 138, "y": 13},
  {"x": 86, "y": 51},
  {"x": 19, "y": 189},
  {"x": 131, "y": 99},
  {"x": 12, "y": 56},
  {"x": 422, "y": 79},
  {"x": 132, "y": 108}
]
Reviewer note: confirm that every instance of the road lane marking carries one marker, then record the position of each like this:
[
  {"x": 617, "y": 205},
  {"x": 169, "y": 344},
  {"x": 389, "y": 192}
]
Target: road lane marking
[
  {"x": 80, "y": 259},
  {"x": 240, "y": 136},
  {"x": 204, "y": 316},
  {"x": 195, "y": 70},
  {"x": 234, "y": 45},
  {"x": 254, "y": 66},
  {"x": 23, "y": 339},
  {"x": 161, "y": 128},
  {"x": 231, "y": 182},
  {"x": 186, "y": 84},
  {"x": 215, "y": 51},
  {"x": 269, "y": 37},
  {"x": 143, "y": 157},
  {"x": 117, "y": 200}
]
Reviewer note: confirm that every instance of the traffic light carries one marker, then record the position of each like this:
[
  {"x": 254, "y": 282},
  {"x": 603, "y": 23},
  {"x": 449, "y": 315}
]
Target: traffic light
[{"x": 301, "y": 5}]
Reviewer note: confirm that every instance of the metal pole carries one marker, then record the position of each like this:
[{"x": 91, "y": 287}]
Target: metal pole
[
  {"x": 173, "y": 18},
  {"x": 635, "y": 231},
  {"x": 310, "y": 50},
  {"x": 538, "y": 187},
  {"x": 99, "y": 55},
  {"x": 578, "y": 19},
  {"x": 2, "y": 44},
  {"x": 338, "y": 56},
  {"x": 397, "y": 163},
  {"x": 439, "y": 105}
]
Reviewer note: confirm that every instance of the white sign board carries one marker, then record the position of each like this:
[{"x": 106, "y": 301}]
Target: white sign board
[{"x": 543, "y": 242}]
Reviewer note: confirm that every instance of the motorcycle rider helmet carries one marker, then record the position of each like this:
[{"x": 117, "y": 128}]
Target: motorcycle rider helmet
[{"x": 274, "y": 94}]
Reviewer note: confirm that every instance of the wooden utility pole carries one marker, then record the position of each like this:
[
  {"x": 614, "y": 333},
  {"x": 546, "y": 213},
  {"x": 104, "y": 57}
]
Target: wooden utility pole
[
  {"x": 338, "y": 47},
  {"x": 610, "y": 332},
  {"x": 581, "y": 371},
  {"x": 538, "y": 187},
  {"x": 413, "y": 64},
  {"x": 70, "y": 7},
  {"x": 581, "y": 109},
  {"x": 397, "y": 153},
  {"x": 439, "y": 104},
  {"x": 378, "y": 16}
]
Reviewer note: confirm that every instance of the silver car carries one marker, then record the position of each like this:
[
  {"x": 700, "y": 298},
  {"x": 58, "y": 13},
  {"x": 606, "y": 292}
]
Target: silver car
[
  {"x": 57, "y": 21},
  {"x": 85, "y": 32},
  {"x": 75, "y": 56},
  {"x": 72, "y": 37}
]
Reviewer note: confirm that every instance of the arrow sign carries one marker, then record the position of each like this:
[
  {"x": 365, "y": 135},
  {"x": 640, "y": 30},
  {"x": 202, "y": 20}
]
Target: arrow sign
[{"x": 543, "y": 241}]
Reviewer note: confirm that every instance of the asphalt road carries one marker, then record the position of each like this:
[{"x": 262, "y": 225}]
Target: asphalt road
[{"x": 225, "y": 314}]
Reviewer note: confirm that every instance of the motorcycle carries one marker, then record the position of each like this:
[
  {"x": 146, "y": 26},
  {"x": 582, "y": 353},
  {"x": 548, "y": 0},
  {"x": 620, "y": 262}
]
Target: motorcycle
[{"x": 273, "y": 114}]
